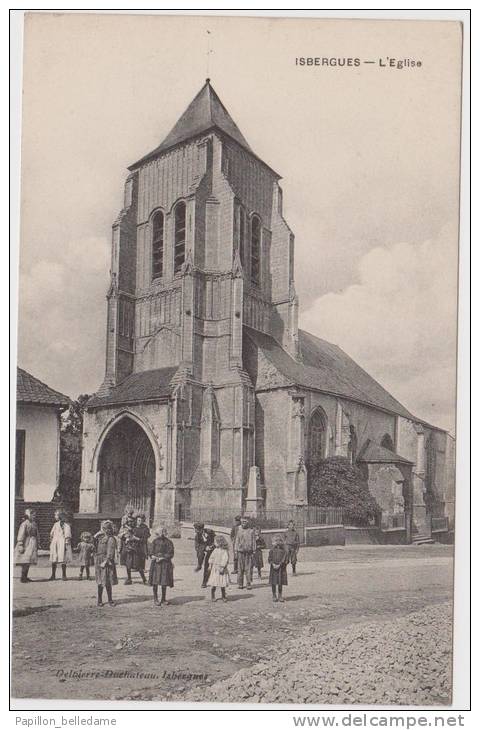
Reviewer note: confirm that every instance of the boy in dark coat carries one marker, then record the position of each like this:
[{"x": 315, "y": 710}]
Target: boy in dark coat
[
  {"x": 161, "y": 568},
  {"x": 257, "y": 561},
  {"x": 105, "y": 570},
  {"x": 142, "y": 533},
  {"x": 199, "y": 544},
  {"x": 233, "y": 534},
  {"x": 277, "y": 557},
  {"x": 209, "y": 536}
]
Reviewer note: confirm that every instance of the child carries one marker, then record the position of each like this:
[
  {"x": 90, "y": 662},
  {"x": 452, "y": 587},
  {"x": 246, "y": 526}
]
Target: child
[
  {"x": 292, "y": 542},
  {"x": 161, "y": 567},
  {"x": 129, "y": 545},
  {"x": 258, "y": 555},
  {"x": 26, "y": 549},
  {"x": 105, "y": 570},
  {"x": 209, "y": 537},
  {"x": 233, "y": 535},
  {"x": 199, "y": 544},
  {"x": 219, "y": 577},
  {"x": 142, "y": 532},
  {"x": 85, "y": 551},
  {"x": 60, "y": 544},
  {"x": 277, "y": 557}
]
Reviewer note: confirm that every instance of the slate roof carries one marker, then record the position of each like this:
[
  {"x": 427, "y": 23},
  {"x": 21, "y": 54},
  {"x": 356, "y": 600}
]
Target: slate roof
[
  {"x": 326, "y": 367},
  {"x": 145, "y": 386},
  {"x": 33, "y": 391},
  {"x": 373, "y": 453},
  {"x": 204, "y": 113}
]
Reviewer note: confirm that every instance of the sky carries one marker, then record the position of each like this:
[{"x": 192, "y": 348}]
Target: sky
[{"x": 369, "y": 158}]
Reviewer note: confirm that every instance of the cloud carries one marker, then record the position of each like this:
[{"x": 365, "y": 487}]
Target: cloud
[
  {"x": 399, "y": 323},
  {"x": 62, "y": 314}
]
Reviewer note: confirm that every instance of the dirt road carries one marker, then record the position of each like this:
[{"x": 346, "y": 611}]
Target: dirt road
[{"x": 61, "y": 639}]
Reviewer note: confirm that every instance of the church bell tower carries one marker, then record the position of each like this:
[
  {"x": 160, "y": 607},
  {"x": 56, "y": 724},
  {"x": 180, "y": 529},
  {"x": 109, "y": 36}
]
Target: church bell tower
[{"x": 200, "y": 252}]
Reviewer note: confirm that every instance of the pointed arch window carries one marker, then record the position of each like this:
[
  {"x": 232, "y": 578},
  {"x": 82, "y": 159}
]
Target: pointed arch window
[
  {"x": 317, "y": 438},
  {"x": 255, "y": 249},
  {"x": 179, "y": 236},
  {"x": 242, "y": 228},
  {"x": 158, "y": 236}
]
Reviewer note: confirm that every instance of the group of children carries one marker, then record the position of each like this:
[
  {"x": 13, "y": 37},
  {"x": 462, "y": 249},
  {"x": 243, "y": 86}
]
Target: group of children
[
  {"x": 134, "y": 543},
  {"x": 248, "y": 545}
]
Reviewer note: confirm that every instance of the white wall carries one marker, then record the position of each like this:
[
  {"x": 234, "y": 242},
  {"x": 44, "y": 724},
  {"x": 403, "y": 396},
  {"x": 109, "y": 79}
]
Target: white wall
[{"x": 41, "y": 451}]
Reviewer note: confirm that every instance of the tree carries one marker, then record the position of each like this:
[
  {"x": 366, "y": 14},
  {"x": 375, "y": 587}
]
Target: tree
[
  {"x": 72, "y": 420},
  {"x": 71, "y": 452},
  {"x": 335, "y": 482}
]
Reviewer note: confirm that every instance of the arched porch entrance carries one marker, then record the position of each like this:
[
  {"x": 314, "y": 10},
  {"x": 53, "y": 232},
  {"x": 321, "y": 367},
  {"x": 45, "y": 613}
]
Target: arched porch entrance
[{"x": 126, "y": 470}]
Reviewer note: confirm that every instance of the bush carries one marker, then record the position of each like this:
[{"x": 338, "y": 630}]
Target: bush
[{"x": 334, "y": 482}]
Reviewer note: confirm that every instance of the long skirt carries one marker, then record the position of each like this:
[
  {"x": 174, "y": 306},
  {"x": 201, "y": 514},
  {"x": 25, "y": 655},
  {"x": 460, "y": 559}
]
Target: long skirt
[
  {"x": 258, "y": 559},
  {"x": 132, "y": 560},
  {"x": 29, "y": 554},
  {"x": 107, "y": 575},
  {"x": 278, "y": 577},
  {"x": 217, "y": 579},
  {"x": 161, "y": 573}
]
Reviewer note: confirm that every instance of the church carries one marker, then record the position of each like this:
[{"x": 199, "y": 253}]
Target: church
[{"x": 213, "y": 398}]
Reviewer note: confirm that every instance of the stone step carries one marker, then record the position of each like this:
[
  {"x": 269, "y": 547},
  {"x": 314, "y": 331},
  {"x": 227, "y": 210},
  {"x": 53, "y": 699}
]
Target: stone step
[{"x": 422, "y": 540}]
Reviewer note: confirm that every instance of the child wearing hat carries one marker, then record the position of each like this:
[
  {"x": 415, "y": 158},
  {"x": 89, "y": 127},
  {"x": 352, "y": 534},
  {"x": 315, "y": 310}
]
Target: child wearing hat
[
  {"x": 85, "y": 551},
  {"x": 277, "y": 557},
  {"x": 105, "y": 570},
  {"x": 161, "y": 551},
  {"x": 219, "y": 577}
]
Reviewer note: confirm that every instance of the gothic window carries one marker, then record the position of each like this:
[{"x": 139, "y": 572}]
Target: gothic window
[
  {"x": 255, "y": 249},
  {"x": 317, "y": 437},
  {"x": 179, "y": 237},
  {"x": 157, "y": 245},
  {"x": 241, "y": 237}
]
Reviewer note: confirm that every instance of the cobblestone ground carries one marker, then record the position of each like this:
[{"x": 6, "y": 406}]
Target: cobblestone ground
[
  {"x": 406, "y": 661},
  {"x": 364, "y": 624}
]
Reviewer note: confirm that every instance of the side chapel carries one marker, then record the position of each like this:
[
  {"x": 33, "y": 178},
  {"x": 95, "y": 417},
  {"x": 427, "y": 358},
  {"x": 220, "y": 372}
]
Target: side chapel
[{"x": 212, "y": 396}]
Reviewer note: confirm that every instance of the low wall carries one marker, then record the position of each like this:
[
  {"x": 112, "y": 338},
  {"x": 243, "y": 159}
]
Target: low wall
[
  {"x": 447, "y": 537},
  {"x": 317, "y": 535},
  {"x": 313, "y": 535}
]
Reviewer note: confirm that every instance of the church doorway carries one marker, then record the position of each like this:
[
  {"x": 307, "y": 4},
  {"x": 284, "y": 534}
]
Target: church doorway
[
  {"x": 316, "y": 443},
  {"x": 126, "y": 467}
]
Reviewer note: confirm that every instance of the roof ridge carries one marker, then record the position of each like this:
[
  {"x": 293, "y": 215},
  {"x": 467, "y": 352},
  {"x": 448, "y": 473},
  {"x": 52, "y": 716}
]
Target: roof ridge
[{"x": 26, "y": 390}]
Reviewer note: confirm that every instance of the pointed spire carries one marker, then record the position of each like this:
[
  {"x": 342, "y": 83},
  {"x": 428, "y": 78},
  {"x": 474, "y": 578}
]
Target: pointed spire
[
  {"x": 204, "y": 113},
  {"x": 113, "y": 288},
  {"x": 187, "y": 267},
  {"x": 237, "y": 268}
]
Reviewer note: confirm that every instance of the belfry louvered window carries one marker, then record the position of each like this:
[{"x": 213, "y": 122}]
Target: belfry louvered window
[
  {"x": 157, "y": 245},
  {"x": 255, "y": 249},
  {"x": 180, "y": 225}
]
